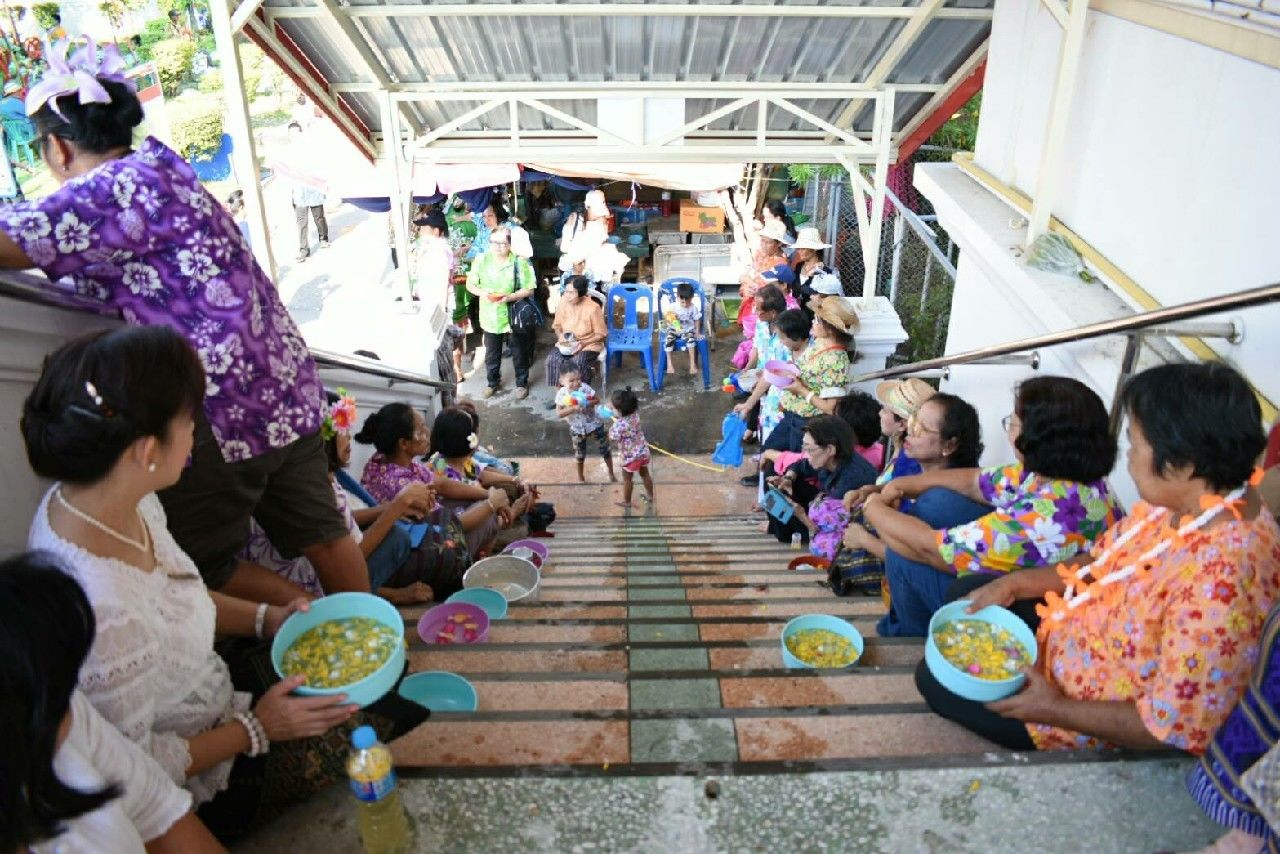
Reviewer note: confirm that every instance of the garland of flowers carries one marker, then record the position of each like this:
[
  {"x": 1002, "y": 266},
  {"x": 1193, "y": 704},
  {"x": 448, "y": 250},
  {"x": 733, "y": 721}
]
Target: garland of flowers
[{"x": 1078, "y": 591}]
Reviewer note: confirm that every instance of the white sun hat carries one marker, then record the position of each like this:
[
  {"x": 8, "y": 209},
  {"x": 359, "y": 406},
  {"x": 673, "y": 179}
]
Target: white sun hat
[{"x": 808, "y": 239}]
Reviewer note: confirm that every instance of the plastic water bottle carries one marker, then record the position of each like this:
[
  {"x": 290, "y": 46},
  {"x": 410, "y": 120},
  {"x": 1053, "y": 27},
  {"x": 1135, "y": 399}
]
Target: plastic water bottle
[
  {"x": 795, "y": 541},
  {"x": 384, "y": 827}
]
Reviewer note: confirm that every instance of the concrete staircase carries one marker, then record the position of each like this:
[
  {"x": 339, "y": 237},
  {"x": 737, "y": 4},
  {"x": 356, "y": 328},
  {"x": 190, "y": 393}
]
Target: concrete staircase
[{"x": 641, "y": 704}]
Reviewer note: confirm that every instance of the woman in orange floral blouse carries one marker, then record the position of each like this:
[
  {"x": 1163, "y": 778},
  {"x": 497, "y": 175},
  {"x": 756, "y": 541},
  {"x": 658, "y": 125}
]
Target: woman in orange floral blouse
[{"x": 1148, "y": 641}]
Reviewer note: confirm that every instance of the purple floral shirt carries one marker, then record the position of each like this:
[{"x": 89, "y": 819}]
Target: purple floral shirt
[
  {"x": 141, "y": 234},
  {"x": 384, "y": 479}
]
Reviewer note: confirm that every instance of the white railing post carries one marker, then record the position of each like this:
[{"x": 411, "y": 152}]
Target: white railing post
[
  {"x": 244, "y": 156},
  {"x": 392, "y": 151}
]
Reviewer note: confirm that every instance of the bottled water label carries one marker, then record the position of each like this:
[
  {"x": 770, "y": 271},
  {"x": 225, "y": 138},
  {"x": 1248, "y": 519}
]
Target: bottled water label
[{"x": 372, "y": 791}]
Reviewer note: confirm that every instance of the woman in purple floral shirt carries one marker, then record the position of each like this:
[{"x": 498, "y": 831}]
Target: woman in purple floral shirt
[{"x": 135, "y": 230}]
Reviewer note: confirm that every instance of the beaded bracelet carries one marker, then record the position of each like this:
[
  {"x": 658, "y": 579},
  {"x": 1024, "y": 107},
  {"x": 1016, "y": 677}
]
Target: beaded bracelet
[
  {"x": 260, "y": 620},
  {"x": 263, "y": 741},
  {"x": 255, "y": 747}
]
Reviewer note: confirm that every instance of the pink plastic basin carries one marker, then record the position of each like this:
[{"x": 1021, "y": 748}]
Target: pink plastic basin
[
  {"x": 779, "y": 373},
  {"x": 434, "y": 626}
]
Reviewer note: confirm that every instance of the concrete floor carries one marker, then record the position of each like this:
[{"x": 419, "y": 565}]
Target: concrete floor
[
  {"x": 1138, "y": 806},
  {"x": 683, "y": 418}
]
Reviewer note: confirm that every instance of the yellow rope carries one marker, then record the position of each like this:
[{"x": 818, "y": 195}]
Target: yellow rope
[{"x": 716, "y": 469}]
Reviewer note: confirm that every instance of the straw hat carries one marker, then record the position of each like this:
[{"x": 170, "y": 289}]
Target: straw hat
[
  {"x": 904, "y": 396},
  {"x": 808, "y": 239},
  {"x": 774, "y": 230},
  {"x": 594, "y": 203},
  {"x": 836, "y": 314}
]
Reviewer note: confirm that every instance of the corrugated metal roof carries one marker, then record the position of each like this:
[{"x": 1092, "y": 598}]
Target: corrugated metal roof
[{"x": 800, "y": 43}]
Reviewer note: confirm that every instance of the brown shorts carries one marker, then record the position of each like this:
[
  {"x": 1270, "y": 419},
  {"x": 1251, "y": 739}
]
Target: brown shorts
[{"x": 286, "y": 490}]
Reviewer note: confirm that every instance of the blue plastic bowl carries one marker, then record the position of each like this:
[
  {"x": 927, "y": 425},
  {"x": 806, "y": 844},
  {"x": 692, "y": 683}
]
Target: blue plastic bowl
[
  {"x": 818, "y": 621},
  {"x": 342, "y": 606},
  {"x": 440, "y": 691},
  {"x": 493, "y": 602},
  {"x": 635, "y": 239},
  {"x": 967, "y": 685}
]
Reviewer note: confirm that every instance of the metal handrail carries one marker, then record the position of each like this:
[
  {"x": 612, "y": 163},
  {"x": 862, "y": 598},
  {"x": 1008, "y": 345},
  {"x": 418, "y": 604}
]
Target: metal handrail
[
  {"x": 329, "y": 359},
  {"x": 38, "y": 290},
  {"x": 1136, "y": 323}
]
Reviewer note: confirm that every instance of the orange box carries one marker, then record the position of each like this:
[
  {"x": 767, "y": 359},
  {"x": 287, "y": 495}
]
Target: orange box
[{"x": 699, "y": 219}]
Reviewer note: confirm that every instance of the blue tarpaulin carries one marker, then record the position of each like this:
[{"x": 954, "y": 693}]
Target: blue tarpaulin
[{"x": 382, "y": 204}]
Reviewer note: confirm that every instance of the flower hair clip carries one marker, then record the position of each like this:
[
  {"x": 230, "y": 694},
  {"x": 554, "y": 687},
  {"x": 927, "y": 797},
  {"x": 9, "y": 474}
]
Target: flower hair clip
[
  {"x": 473, "y": 441},
  {"x": 340, "y": 418},
  {"x": 100, "y": 406},
  {"x": 81, "y": 74}
]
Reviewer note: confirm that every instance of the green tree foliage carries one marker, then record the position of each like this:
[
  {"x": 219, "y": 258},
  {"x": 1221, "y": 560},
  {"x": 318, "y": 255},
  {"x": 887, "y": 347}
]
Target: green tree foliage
[
  {"x": 173, "y": 62},
  {"x": 46, "y": 15},
  {"x": 961, "y": 130},
  {"x": 196, "y": 126}
]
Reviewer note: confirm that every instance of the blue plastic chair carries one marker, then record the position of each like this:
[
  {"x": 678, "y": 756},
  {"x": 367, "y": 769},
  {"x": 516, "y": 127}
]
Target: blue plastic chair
[
  {"x": 629, "y": 337},
  {"x": 20, "y": 141},
  {"x": 667, "y": 298}
]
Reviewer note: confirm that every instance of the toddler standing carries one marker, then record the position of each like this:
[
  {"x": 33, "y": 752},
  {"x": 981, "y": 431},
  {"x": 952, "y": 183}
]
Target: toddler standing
[
  {"x": 629, "y": 435},
  {"x": 682, "y": 324},
  {"x": 576, "y": 403}
]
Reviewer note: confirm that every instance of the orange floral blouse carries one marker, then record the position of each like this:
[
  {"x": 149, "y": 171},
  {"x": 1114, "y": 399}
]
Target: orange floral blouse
[{"x": 1180, "y": 641}]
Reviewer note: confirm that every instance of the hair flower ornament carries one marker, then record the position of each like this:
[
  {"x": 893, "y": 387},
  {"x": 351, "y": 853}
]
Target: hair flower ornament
[
  {"x": 81, "y": 75},
  {"x": 340, "y": 418},
  {"x": 473, "y": 441}
]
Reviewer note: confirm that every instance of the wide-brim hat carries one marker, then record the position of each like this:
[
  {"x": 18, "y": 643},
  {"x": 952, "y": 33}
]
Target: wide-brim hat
[
  {"x": 595, "y": 202},
  {"x": 808, "y": 239},
  {"x": 775, "y": 230},
  {"x": 836, "y": 314},
  {"x": 904, "y": 397}
]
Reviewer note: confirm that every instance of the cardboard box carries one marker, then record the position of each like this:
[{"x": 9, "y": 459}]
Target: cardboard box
[{"x": 701, "y": 220}]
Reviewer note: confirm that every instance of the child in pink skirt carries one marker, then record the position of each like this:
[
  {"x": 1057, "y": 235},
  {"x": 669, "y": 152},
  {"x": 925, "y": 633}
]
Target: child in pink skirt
[{"x": 628, "y": 435}]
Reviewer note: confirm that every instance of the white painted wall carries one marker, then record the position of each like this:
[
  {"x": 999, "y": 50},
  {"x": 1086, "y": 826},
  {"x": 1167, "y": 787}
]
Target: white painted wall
[
  {"x": 1172, "y": 168},
  {"x": 1171, "y": 172}
]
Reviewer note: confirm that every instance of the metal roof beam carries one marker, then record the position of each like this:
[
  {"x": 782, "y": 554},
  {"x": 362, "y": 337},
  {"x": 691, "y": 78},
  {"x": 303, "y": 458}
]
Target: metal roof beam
[
  {"x": 626, "y": 10},
  {"x": 372, "y": 65},
  {"x": 571, "y": 89},
  {"x": 906, "y": 37},
  {"x": 966, "y": 68},
  {"x": 243, "y": 13},
  {"x": 317, "y": 89},
  {"x": 589, "y": 149}
]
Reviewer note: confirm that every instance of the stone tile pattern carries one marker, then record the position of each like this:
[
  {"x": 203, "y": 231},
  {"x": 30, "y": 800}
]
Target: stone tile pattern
[{"x": 655, "y": 640}]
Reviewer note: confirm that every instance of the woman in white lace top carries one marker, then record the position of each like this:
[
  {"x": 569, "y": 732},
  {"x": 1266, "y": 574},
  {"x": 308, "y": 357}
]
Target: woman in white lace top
[{"x": 110, "y": 419}]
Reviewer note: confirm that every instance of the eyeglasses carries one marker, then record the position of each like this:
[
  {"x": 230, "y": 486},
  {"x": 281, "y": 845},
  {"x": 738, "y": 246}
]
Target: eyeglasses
[
  {"x": 811, "y": 449},
  {"x": 499, "y": 242},
  {"x": 915, "y": 427},
  {"x": 1007, "y": 421}
]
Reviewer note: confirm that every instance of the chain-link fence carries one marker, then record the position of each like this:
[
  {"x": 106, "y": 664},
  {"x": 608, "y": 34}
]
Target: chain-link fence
[{"x": 916, "y": 269}]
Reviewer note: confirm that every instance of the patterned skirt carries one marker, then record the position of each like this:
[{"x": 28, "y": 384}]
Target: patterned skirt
[{"x": 585, "y": 361}]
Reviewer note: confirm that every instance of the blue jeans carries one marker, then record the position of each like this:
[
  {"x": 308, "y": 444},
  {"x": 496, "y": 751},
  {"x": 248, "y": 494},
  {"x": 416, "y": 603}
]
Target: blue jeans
[
  {"x": 916, "y": 589},
  {"x": 390, "y": 554}
]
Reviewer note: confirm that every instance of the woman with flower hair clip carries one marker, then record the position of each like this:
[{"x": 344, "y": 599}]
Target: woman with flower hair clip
[
  {"x": 1147, "y": 641},
  {"x": 135, "y": 230},
  {"x": 399, "y": 571}
]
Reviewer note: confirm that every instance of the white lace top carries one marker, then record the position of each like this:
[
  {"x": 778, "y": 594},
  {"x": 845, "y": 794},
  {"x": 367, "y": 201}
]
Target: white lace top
[{"x": 151, "y": 671}]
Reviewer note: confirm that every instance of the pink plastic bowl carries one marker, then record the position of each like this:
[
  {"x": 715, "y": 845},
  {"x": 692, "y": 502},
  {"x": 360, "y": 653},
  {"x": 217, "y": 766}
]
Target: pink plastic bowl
[
  {"x": 432, "y": 624},
  {"x": 540, "y": 551},
  {"x": 779, "y": 373}
]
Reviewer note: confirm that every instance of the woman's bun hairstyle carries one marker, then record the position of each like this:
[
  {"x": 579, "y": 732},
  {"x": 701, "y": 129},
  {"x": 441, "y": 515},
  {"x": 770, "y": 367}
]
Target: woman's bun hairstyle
[
  {"x": 100, "y": 393},
  {"x": 96, "y": 128}
]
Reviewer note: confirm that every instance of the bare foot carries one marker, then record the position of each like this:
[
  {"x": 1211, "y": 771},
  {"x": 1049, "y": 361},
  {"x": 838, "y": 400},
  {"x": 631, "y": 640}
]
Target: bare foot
[
  {"x": 415, "y": 594},
  {"x": 756, "y": 508},
  {"x": 693, "y": 372},
  {"x": 646, "y": 498},
  {"x": 613, "y": 478},
  {"x": 763, "y": 527},
  {"x": 624, "y": 504},
  {"x": 582, "y": 479}
]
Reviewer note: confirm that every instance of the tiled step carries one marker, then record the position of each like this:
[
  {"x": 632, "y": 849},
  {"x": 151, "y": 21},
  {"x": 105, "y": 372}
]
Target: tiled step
[{"x": 656, "y": 640}]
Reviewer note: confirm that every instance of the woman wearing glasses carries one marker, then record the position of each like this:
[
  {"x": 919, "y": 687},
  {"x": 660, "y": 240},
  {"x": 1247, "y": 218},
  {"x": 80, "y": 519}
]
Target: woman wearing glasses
[
  {"x": 500, "y": 278},
  {"x": 1047, "y": 507}
]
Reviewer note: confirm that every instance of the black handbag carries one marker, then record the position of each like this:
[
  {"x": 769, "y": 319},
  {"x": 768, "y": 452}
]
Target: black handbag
[{"x": 524, "y": 314}]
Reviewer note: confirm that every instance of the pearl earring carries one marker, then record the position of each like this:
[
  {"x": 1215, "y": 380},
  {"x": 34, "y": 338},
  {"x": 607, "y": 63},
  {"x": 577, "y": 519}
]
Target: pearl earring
[{"x": 151, "y": 467}]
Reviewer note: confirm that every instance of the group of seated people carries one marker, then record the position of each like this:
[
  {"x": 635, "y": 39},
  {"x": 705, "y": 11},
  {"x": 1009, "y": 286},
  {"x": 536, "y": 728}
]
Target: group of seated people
[
  {"x": 143, "y": 696},
  {"x": 1150, "y": 623}
]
